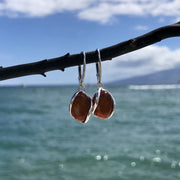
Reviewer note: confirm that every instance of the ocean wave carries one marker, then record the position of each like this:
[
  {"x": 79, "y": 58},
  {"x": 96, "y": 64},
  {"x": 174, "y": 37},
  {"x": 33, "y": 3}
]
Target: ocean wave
[{"x": 154, "y": 87}]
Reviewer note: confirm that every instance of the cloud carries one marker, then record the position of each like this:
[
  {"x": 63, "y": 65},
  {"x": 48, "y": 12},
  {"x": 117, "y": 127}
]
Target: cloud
[
  {"x": 40, "y": 8},
  {"x": 102, "y": 11},
  {"x": 144, "y": 61},
  {"x": 141, "y": 28},
  {"x": 178, "y": 19},
  {"x": 107, "y": 9}
]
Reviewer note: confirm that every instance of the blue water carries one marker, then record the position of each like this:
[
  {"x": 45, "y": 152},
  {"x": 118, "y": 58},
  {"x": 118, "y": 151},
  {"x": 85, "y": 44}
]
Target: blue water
[{"x": 39, "y": 140}]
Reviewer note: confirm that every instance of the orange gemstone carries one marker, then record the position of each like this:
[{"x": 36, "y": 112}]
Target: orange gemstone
[
  {"x": 80, "y": 106},
  {"x": 105, "y": 104}
]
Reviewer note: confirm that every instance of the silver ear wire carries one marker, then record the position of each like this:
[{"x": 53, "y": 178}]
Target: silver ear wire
[
  {"x": 82, "y": 75},
  {"x": 99, "y": 70}
]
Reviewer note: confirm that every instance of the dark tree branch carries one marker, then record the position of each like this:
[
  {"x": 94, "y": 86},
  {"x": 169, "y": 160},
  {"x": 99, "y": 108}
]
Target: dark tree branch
[{"x": 108, "y": 53}]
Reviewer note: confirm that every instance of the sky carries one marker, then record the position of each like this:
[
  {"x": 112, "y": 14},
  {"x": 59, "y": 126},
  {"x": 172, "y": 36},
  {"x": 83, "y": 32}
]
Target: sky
[{"x": 33, "y": 30}]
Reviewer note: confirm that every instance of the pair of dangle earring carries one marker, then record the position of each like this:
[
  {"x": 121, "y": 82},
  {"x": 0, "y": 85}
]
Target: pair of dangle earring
[{"x": 102, "y": 104}]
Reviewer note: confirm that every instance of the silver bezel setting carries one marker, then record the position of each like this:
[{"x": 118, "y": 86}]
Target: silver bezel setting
[{"x": 96, "y": 99}]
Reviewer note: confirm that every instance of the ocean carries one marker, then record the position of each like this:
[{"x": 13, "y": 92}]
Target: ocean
[{"x": 39, "y": 140}]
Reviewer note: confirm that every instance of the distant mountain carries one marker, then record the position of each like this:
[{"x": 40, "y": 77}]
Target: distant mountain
[{"x": 171, "y": 76}]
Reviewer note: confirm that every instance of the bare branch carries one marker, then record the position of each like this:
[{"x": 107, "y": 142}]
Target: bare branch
[{"x": 60, "y": 63}]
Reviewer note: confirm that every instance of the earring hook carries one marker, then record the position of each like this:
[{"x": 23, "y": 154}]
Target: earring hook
[
  {"x": 82, "y": 75},
  {"x": 99, "y": 70}
]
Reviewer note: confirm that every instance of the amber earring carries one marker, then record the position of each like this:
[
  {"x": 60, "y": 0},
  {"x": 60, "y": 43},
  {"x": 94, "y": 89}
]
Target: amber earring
[
  {"x": 80, "y": 105},
  {"x": 103, "y": 102}
]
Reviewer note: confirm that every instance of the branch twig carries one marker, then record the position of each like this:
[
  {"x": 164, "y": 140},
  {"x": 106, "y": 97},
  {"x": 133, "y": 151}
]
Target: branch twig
[{"x": 108, "y": 53}]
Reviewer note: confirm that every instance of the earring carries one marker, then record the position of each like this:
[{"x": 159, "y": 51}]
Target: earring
[
  {"x": 80, "y": 105},
  {"x": 103, "y": 102}
]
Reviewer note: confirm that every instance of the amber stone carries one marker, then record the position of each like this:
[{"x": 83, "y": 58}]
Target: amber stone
[
  {"x": 80, "y": 106},
  {"x": 105, "y": 106}
]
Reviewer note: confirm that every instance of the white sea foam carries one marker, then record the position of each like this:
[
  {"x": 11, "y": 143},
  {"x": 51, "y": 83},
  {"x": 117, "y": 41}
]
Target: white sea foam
[
  {"x": 158, "y": 151},
  {"x": 154, "y": 87},
  {"x": 156, "y": 159},
  {"x": 141, "y": 158},
  {"x": 173, "y": 164},
  {"x": 133, "y": 164},
  {"x": 98, "y": 157}
]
